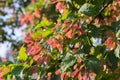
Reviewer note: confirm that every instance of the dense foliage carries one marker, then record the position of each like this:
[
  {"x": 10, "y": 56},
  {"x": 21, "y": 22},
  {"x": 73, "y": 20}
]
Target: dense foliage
[{"x": 68, "y": 40}]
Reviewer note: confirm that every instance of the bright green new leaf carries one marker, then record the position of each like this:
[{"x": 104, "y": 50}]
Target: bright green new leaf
[
  {"x": 47, "y": 33},
  {"x": 42, "y": 33},
  {"x": 22, "y": 54},
  {"x": 44, "y": 23}
]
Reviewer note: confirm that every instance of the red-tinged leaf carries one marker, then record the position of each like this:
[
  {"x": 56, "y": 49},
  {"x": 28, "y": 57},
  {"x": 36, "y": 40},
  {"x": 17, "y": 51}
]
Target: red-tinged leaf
[
  {"x": 92, "y": 75},
  {"x": 75, "y": 27},
  {"x": 70, "y": 34},
  {"x": 66, "y": 77},
  {"x": 49, "y": 76},
  {"x": 81, "y": 67},
  {"x": 60, "y": 7},
  {"x": 4, "y": 59},
  {"x": 37, "y": 13},
  {"x": 34, "y": 76},
  {"x": 21, "y": 16},
  {"x": 79, "y": 32},
  {"x": 33, "y": 1},
  {"x": 31, "y": 19},
  {"x": 36, "y": 57},
  {"x": 110, "y": 43},
  {"x": 1, "y": 76},
  {"x": 59, "y": 47},
  {"x": 58, "y": 71},
  {"x": 40, "y": 60},
  {"x": 59, "y": 37},
  {"x": 34, "y": 50},
  {"x": 63, "y": 75},
  {"x": 75, "y": 66},
  {"x": 67, "y": 24},
  {"x": 79, "y": 60},
  {"x": 85, "y": 76},
  {"x": 23, "y": 21},
  {"x": 74, "y": 74},
  {"x": 52, "y": 43},
  {"x": 79, "y": 77},
  {"x": 56, "y": 26},
  {"x": 66, "y": 29}
]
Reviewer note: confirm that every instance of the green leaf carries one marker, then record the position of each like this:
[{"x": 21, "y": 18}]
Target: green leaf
[
  {"x": 118, "y": 35},
  {"x": 65, "y": 14},
  {"x": 59, "y": 29},
  {"x": 117, "y": 51},
  {"x": 98, "y": 3},
  {"x": 22, "y": 54},
  {"x": 5, "y": 72},
  {"x": 17, "y": 77},
  {"x": 47, "y": 46},
  {"x": 116, "y": 25},
  {"x": 37, "y": 34},
  {"x": 79, "y": 2},
  {"x": 68, "y": 61},
  {"x": 93, "y": 64},
  {"x": 113, "y": 60},
  {"x": 87, "y": 9},
  {"x": 44, "y": 23},
  {"x": 32, "y": 7},
  {"x": 47, "y": 33},
  {"x": 42, "y": 33},
  {"x": 17, "y": 70}
]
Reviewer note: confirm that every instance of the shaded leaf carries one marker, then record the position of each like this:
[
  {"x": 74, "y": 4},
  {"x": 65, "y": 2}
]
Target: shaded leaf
[
  {"x": 68, "y": 61},
  {"x": 113, "y": 60},
  {"x": 87, "y": 9},
  {"x": 93, "y": 64},
  {"x": 17, "y": 70}
]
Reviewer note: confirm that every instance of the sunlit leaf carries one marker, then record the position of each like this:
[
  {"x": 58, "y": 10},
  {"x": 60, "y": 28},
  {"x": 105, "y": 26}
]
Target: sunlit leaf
[
  {"x": 117, "y": 51},
  {"x": 44, "y": 23},
  {"x": 22, "y": 54}
]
